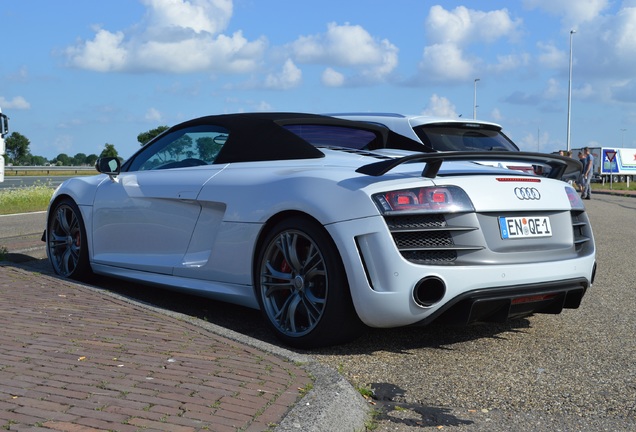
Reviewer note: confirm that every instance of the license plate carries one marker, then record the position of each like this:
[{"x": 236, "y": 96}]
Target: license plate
[{"x": 524, "y": 227}]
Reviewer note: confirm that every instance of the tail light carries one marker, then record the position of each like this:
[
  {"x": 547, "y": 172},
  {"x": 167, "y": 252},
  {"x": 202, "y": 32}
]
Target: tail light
[
  {"x": 432, "y": 199},
  {"x": 575, "y": 200}
]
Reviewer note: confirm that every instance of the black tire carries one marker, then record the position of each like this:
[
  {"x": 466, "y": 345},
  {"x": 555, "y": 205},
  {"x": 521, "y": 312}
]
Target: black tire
[
  {"x": 302, "y": 287},
  {"x": 66, "y": 243}
]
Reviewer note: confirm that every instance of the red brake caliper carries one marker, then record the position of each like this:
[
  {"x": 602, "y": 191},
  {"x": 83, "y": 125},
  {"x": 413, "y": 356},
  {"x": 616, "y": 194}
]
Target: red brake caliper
[{"x": 285, "y": 267}]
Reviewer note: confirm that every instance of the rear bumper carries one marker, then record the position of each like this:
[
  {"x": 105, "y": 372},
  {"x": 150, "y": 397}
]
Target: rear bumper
[
  {"x": 503, "y": 303},
  {"x": 388, "y": 291}
]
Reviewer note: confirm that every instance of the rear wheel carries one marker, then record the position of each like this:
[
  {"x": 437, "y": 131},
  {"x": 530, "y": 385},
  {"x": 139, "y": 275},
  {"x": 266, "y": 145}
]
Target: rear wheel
[
  {"x": 66, "y": 246},
  {"x": 302, "y": 288}
]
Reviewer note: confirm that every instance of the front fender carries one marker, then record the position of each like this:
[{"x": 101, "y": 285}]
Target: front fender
[{"x": 80, "y": 189}]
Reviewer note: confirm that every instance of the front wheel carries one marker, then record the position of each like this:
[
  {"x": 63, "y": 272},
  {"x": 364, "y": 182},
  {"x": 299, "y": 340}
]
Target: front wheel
[
  {"x": 302, "y": 287},
  {"x": 66, "y": 241}
]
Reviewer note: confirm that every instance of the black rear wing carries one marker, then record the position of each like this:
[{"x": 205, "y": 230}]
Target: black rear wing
[{"x": 560, "y": 166}]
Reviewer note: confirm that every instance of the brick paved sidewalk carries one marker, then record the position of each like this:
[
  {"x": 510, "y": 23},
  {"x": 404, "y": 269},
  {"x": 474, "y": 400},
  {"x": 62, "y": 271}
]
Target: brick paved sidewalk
[{"x": 75, "y": 359}]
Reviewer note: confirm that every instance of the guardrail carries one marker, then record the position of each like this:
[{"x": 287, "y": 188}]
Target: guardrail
[{"x": 46, "y": 170}]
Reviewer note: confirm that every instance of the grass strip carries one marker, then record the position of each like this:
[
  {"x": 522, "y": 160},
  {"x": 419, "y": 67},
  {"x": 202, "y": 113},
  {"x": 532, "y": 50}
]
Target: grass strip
[{"x": 25, "y": 199}]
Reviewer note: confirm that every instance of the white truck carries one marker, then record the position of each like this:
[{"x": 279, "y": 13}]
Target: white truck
[
  {"x": 619, "y": 162},
  {"x": 4, "y": 130}
]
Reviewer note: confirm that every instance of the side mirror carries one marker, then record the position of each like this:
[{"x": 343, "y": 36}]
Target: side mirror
[{"x": 108, "y": 165}]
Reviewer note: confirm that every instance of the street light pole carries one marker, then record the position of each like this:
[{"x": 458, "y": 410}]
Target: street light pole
[
  {"x": 570, "y": 89},
  {"x": 623, "y": 137},
  {"x": 475, "y": 100}
]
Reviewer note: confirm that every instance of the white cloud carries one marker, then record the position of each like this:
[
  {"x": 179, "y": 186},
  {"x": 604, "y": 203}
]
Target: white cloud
[
  {"x": 450, "y": 31},
  {"x": 585, "y": 91},
  {"x": 22, "y": 75},
  {"x": 348, "y": 46},
  {"x": 102, "y": 54},
  {"x": 446, "y": 62},
  {"x": 604, "y": 57},
  {"x": 18, "y": 102},
  {"x": 289, "y": 77},
  {"x": 511, "y": 62},
  {"x": 537, "y": 142},
  {"x": 550, "y": 56},
  {"x": 439, "y": 106},
  {"x": 625, "y": 32},
  {"x": 572, "y": 11},
  {"x": 386, "y": 66},
  {"x": 211, "y": 16},
  {"x": 153, "y": 115},
  {"x": 462, "y": 25},
  {"x": 553, "y": 90},
  {"x": 332, "y": 78},
  {"x": 496, "y": 115},
  {"x": 263, "y": 106},
  {"x": 345, "y": 45},
  {"x": 227, "y": 54},
  {"x": 176, "y": 36}
]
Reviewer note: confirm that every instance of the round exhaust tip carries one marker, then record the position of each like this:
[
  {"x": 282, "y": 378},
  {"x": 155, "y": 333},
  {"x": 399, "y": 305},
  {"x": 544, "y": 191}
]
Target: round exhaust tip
[{"x": 429, "y": 291}]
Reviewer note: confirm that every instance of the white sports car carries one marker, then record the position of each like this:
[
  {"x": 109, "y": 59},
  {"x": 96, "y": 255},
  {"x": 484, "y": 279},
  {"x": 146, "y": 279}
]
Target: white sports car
[{"x": 328, "y": 226}]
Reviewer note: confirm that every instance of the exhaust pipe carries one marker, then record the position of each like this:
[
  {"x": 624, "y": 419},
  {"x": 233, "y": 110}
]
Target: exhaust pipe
[{"x": 429, "y": 291}]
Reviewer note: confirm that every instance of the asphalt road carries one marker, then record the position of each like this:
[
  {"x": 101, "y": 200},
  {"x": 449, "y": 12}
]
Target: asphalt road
[
  {"x": 21, "y": 234},
  {"x": 570, "y": 372},
  {"x": 11, "y": 182}
]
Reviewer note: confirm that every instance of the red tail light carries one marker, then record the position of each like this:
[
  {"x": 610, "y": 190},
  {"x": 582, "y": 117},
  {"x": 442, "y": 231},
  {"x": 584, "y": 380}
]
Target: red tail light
[
  {"x": 575, "y": 200},
  {"x": 446, "y": 199}
]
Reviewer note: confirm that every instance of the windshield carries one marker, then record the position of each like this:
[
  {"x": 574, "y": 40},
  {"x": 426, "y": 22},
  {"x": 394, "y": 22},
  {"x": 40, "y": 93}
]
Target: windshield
[{"x": 464, "y": 137}]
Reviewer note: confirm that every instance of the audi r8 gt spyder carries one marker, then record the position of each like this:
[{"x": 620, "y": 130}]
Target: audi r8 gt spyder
[{"x": 328, "y": 226}]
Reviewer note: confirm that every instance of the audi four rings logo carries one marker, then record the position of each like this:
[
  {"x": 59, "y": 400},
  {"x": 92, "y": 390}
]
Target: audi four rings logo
[{"x": 526, "y": 193}]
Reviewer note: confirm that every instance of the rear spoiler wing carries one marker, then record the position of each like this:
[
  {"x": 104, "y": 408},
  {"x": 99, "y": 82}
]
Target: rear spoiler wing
[{"x": 559, "y": 165}]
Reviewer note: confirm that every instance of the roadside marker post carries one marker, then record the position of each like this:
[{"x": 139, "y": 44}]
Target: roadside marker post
[{"x": 611, "y": 155}]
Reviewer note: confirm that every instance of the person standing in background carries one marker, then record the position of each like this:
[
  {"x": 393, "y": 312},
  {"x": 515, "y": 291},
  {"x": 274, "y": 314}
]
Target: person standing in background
[
  {"x": 580, "y": 182},
  {"x": 587, "y": 174}
]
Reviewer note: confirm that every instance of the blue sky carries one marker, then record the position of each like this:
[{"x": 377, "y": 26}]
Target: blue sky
[{"x": 75, "y": 75}]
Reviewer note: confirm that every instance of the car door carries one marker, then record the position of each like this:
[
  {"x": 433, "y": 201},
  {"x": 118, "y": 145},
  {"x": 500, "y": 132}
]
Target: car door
[{"x": 144, "y": 218}]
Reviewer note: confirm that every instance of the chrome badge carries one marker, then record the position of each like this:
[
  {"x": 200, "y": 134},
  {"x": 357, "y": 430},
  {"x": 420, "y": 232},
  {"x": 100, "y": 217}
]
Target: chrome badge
[{"x": 527, "y": 193}]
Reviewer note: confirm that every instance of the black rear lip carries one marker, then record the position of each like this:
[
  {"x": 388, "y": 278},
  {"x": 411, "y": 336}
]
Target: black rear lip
[{"x": 496, "y": 304}]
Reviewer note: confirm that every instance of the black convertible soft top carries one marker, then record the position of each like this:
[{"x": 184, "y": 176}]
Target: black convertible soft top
[
  {"x": 269, "y": 136},
  {"x": 263, "y": 136}
]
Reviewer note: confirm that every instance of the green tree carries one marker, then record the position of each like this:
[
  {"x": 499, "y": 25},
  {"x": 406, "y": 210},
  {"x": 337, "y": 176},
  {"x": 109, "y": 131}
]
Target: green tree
[
  {"x": 208, "y": 148},
  {"x": 109, "y": 151},
  {"x": 38, "y": 161},
  {"x": 17, "y": 148},
  {"x": 62, "y": 160},
  {"x": 145, "y": 137},
  {"x": 79, "y": 159},
  {"x": 91, "y": 159}
]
